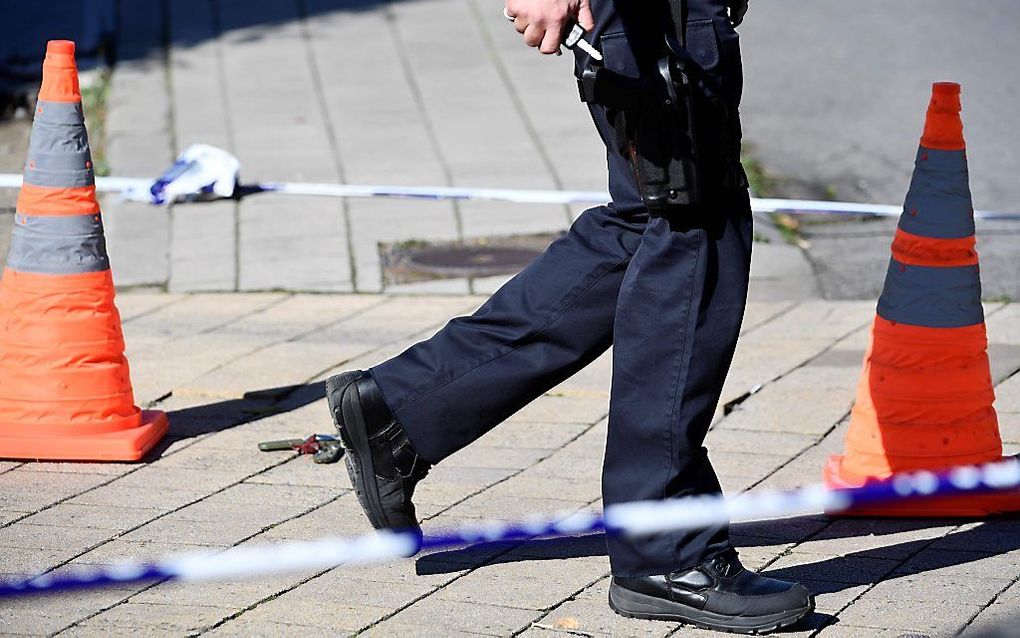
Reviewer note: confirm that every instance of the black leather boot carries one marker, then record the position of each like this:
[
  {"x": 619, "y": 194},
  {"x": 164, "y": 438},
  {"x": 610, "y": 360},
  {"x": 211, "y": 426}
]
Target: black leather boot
[
  {"x": 718, "y": 594},
  {"x": 383, "y": 465}
]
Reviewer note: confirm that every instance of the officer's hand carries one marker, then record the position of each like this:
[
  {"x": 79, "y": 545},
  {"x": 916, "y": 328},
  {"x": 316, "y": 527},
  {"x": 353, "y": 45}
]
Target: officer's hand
[
  {"x": 542, "y": 22},
  {"x": 737, "y": 10}
]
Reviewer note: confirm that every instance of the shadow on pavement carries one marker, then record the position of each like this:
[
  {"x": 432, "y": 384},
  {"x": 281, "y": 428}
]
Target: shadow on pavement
[
  {"x": 109, "y": 31},
  {"x": 827, "y": 575},
  {"x": 253, "y": 406}
]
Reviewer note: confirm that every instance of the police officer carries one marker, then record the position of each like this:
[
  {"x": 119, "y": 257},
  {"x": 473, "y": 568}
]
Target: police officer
[{"x": 666, "y": 290}]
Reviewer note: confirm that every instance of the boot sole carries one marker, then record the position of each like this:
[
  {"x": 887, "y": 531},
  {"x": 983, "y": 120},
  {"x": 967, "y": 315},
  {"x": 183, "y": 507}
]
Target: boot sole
[
  {"x": 642, "y": 606},
  {"x": 350, "y": 424}
]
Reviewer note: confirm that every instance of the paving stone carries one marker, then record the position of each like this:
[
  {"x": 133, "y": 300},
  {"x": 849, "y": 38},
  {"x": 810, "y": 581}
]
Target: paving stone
[
  {"x": 758, "y": 313},
  {"x": 518, "y": 433},
  {"x": 246, "y": 628},
  {"x": 177, "y": 618},
  {"x": 503, "y": 457},
  {"x": 340, "y": 517},
  {"x": 854, "y": 570},
  {"x": 526, "y": 584},
  {"x": 844, "y": 630},
  {"x": 110, "y": 468},
  {"x": 46, "y": 615},
  {"x": 1006, "y": 395},
  {"x": 174, "y": 528},
  {"x": 274, "y": 230},
  {"x": 1002, "y": 325},
  {"x": 138, "y": 237},
  {"x": 203, "y": 255},
  {"x": 483, "y": 506},
  {"x": 997, "y": 536},
  {"x": 6, "y": 466},
  {"x": 1011, "y": 593},
  {"x": 24, "y": 535},
  {"x": 591, "y": 610},
  {"x": 563, "y": 409},
  {"x": 92, "y": 517},
  {"x": 160, "y": 498},
  {"x": 757, "y": 553},
  {"x": 25, "y": 490},
  {"x": 305, "y": 473},
  {"x": 896, "y": 539},
  {"x": 751, "y": 465},
  {"x": 782, "y": 344},
  {"x": 807, "y": 401},
  {"x": 947, "y": 562},
  {"x": 908, "y": 615},
  {"x": 479, "y": 618},
  {"x": 787, "y": 444},
  {"x": 135, "y": 304},
  {"x": 25, "y": 562},
  {"x": 118, "y": 551},
  {"x": 342, "y": 613},
  {"x": 927, "y": 588},
  {"x": 998, "y": 619},
  {"x": 574, "y": 491},
  {"x": 194, "y": 314},
  {"x": 831, "y": 597},
  {"x": 782, "y": 530}
]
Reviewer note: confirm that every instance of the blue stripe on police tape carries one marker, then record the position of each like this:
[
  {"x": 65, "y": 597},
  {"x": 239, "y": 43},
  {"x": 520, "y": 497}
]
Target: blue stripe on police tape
[{"x": 640, "y": 518}]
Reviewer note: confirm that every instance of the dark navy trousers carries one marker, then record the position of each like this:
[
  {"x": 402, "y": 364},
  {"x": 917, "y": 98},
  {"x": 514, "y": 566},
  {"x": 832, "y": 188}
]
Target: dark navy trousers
[{"x": 667, "y": 293}]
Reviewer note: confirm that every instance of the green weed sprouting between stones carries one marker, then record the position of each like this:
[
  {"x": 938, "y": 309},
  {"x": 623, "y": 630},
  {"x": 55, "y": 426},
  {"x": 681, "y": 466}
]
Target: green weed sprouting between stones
[{"x": 94, "y": 100}]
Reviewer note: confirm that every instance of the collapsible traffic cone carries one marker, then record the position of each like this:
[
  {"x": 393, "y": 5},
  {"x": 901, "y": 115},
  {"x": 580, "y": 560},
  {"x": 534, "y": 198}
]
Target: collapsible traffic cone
[
  {"x": 65, "y": 389},
  {"x": 924, "y": 401}
]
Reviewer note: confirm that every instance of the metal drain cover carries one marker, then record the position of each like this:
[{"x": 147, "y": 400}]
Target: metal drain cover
[{"x": 420, "y": 261}]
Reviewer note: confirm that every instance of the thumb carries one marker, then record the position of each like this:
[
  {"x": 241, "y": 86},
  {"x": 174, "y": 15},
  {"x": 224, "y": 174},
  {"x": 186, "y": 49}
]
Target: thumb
[{"x": 584, "y": 15}]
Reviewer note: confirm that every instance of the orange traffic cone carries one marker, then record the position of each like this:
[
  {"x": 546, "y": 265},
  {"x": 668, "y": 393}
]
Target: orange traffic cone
[
  {"x": 924, "y": 401},
  {"x": 65, "y": 389}
]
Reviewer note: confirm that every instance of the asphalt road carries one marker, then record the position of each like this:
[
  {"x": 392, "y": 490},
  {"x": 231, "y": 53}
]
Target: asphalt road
[
  {"x": 836, "y": 91},
  {"x": 834, "y": 104}
]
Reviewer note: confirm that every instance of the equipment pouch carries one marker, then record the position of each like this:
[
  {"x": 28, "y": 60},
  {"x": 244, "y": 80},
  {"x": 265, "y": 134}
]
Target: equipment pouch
[{"x": 676, "y": 134}]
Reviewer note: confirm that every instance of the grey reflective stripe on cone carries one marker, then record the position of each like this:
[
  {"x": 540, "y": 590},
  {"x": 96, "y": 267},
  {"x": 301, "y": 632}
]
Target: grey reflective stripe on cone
[
  {"x": 58, "y": 245},
  {"x": 59, "y": 112},
  {"x": 936, "y": 297},
  {"x": 58, "y": 153}
]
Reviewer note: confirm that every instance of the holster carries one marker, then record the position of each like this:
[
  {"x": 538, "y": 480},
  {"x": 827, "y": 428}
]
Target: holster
[{"x": 677, "y": 135}]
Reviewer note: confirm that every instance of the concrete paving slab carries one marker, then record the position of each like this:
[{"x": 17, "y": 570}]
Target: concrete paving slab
[{"x": 209, "y": 488}]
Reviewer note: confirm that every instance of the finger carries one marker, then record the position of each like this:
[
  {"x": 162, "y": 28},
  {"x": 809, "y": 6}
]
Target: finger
[
  {"x": 533, "y": 35},
  {"x": 551, "y": 42},
  {"x": 585, "y": 17},
  {"x": 521, "y": 24}
]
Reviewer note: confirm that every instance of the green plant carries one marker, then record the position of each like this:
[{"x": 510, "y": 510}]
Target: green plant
[{"x": 94, "y": 101}]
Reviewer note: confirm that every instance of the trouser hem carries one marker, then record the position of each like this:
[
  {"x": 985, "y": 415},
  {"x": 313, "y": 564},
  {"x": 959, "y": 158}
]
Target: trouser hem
[{"x": 679, "y": 567}]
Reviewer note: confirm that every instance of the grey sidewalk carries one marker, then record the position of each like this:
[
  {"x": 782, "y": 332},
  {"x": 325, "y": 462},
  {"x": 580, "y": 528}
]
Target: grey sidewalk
[
  {"x": 334, "y": 92},
  {"x": 223, "y": 366}
]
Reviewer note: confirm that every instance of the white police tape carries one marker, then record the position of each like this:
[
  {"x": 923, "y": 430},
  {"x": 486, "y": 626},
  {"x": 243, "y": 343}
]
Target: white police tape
[
  {"x": 635, "y": 519},
  {"x": 148, "y": 191}
]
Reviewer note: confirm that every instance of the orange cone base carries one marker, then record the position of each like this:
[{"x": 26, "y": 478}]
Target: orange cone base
[
  {"x": 121, "y": 445},
  {"x": 966, "y": 506}
]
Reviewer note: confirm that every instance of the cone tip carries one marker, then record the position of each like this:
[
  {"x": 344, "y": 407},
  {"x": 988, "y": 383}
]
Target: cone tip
[
  {"x": 943, "y": 128},
  {"x": 65, "y": 47},
  {"x": 60, "y": 73},
  {"x": 945, "y": 88}
]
